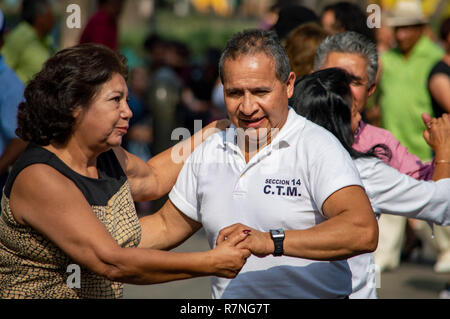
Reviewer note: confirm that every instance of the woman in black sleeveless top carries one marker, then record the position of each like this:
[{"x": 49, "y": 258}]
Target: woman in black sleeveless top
[
  {"x": 439, "y": 78},
  {"x": 68, "y": 226}
]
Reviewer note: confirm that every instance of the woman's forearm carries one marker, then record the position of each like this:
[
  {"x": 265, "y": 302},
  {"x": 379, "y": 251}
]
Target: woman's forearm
[{"x": 145, "y": 266}]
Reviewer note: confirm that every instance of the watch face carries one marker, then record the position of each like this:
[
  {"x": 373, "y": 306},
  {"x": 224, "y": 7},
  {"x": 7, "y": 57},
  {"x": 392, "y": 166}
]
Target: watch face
[{"x": 277, "y": 233}]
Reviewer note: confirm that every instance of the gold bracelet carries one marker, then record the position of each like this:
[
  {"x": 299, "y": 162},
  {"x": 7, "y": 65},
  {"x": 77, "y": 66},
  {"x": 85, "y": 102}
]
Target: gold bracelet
[{"x": 442, "y": 162}]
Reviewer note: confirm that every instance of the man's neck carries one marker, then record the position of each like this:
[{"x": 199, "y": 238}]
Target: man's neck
[
  {"x": 250, "y": 149},
  {"x": 407, "y": 54},
  {"x": 251, "y": 145}
]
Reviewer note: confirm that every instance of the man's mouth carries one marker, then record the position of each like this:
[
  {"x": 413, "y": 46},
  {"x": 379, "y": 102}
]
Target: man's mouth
[{"x": 255, "y": 122}]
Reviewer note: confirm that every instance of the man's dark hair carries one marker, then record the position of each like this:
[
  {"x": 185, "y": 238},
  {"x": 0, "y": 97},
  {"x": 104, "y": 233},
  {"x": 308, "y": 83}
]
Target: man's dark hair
[
  {"x": 32, "y": 8},
  {"x": 324, "y": 97},
  {"x": 351, "y": 17},
  {"x": 69, "y": 79},
  {"x": 255, "y": 41}
]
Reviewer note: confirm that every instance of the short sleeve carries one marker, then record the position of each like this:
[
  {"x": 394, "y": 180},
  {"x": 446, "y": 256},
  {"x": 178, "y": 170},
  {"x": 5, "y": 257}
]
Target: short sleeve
[
  {"x": 331, "y": 167},
  {"x": 184, "y": 194}
]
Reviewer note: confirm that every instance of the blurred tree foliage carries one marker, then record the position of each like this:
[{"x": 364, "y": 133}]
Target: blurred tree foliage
[{"x": 198, "y": 31}]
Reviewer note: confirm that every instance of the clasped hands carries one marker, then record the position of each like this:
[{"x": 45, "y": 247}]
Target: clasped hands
[{"x": 256, "y": 242}]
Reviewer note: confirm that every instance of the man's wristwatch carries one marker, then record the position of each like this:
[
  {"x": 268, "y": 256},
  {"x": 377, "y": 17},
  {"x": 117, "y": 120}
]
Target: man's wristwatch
[{"x": 277, "y": 236}]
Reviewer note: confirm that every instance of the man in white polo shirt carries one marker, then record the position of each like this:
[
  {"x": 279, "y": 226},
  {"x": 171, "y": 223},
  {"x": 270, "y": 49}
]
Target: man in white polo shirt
[{"x": 287, "y": 179}]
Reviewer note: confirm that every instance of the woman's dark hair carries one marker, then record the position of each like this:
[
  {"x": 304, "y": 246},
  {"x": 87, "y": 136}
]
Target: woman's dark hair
[
  {"x": 70, "y": 79},
  {"x": 324, "y": 97}
]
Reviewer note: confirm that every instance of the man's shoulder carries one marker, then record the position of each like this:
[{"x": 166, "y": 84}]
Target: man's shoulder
[
  {"x": 314, "y": 133},
  {"x": 300, "y": 130},
  {"x": 213, "y": 145},
  {"x": 393, "y": 53},
  {"x": 431, "y": 47}
]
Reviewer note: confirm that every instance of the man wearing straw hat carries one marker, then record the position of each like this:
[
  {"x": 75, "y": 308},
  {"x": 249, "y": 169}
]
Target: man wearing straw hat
[{"x": 404, "y": 95}]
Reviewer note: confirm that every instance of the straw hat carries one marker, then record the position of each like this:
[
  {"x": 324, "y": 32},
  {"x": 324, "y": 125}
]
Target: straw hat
[{"x": 405, "y": 13}]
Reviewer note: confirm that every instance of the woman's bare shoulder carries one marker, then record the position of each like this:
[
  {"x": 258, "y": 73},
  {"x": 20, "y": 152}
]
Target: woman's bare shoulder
[{"x": 38, "y": 188}]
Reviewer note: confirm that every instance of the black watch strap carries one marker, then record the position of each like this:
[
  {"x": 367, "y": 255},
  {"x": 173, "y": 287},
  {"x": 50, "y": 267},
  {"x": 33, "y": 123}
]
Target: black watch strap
[{"x": 277, "y": 236}]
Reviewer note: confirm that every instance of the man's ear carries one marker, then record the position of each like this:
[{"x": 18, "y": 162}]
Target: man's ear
[
  {"x": 290, "y": 84},
  {"x": 372, "y": 89}
]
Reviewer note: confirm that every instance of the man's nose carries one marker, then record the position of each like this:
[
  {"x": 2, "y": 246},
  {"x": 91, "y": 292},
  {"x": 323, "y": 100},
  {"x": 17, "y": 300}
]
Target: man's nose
[{"x": 248, "y": 106}]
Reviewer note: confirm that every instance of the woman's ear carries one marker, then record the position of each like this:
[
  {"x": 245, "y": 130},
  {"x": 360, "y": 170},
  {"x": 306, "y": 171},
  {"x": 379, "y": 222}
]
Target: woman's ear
[{"x": 77, "y": 113}]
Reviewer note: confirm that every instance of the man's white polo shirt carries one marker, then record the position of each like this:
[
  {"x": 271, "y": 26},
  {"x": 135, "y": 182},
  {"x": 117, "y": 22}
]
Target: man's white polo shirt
[{"x": 283, "y": 186}]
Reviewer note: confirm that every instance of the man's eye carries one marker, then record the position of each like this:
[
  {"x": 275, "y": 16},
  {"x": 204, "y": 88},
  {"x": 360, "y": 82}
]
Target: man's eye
[{"x": 233, "y": 94}]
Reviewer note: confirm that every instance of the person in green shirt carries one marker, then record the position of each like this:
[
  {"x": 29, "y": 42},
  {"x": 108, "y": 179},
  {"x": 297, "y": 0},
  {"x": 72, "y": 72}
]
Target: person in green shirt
[
  {"x": 403, "y": 84},
  {"x": 29, "y": 44}
]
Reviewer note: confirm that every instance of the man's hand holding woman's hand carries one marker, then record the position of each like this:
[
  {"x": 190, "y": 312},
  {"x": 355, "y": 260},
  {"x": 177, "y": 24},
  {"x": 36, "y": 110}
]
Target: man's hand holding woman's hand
[
  {"x": 228, "y": 257},
  {"x": 258, "y": 243}
]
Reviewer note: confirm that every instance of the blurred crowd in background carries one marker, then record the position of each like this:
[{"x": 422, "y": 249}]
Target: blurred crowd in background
[{"x": 173, "y": 49}]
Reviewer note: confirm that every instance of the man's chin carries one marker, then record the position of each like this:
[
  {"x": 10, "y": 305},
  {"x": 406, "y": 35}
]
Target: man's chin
[{"x": 255, "y": 137}]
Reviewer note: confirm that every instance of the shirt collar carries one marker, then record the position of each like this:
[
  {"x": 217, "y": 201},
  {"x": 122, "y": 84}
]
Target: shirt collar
[{"x": 281, "y": 139}]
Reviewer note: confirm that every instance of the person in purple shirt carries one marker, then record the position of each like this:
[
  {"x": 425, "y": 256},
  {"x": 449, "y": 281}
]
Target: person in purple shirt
[
  {"x": 11, "y": 94},
  {"x": 357, "y": 55}
]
